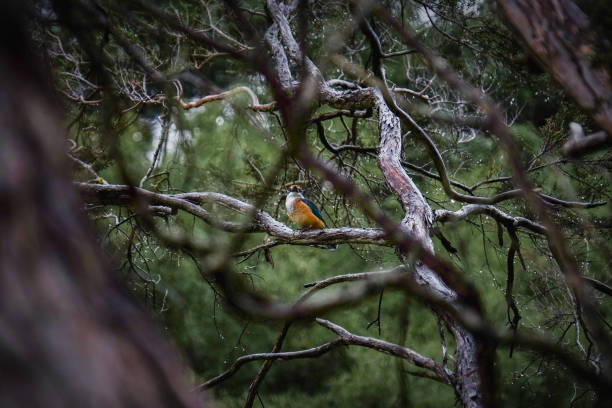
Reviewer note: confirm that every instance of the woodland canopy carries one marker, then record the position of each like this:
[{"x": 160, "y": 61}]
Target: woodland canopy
[{"x": 459, "y": 152}]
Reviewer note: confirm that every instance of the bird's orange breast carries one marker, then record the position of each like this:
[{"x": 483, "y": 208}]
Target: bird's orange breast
[{"x": 302, "y": 215}]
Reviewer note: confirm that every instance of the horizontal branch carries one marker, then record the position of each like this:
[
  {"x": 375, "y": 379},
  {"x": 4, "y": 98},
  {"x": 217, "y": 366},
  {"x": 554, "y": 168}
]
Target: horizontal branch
[
  {"x": 377, "y": 277},
  {"x": 262, "y": 221},
  {"x": 418, "y": 94},
  {"x": 342, "y": 112},
  {"x": 255, "y": 105},
  {"x": 348, "y": 277}
]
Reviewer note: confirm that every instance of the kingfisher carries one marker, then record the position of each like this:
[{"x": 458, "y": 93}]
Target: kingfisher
[{"x": 304, "y": 212}]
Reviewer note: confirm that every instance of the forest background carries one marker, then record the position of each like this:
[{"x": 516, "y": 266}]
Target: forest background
[{"x": 177, "y": 97}]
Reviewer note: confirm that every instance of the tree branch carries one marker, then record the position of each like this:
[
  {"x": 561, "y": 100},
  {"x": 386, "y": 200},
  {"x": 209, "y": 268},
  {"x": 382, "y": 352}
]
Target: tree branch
[
  {"x": 262, "y": 222},
  {"x": 289, "y": 355},
  {"x": 396, "y": 350},
  {"x": 475, "y": 209}
]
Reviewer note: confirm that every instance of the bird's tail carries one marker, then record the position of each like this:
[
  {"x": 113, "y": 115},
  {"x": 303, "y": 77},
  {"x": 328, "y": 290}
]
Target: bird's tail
[{"x": 332, "y": 247}]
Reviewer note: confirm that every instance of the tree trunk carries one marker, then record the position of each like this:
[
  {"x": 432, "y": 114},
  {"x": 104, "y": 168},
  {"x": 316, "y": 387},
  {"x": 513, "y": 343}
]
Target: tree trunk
[{"x": 473, "y": 378}]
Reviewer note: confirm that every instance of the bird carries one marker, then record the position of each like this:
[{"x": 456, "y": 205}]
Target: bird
[{"x": 304, "y": 212}]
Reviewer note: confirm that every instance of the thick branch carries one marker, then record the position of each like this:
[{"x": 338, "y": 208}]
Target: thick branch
[{"x": 557, "y": 244}]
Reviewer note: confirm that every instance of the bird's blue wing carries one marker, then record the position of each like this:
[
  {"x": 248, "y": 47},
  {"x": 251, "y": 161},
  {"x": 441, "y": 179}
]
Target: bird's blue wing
[{"x": 314, "y": 209}]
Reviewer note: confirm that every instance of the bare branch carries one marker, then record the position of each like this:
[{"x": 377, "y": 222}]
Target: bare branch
[
  {"x": 289, "y": 355},
  {"x": 265, "y": 367},
  {"x": 415, "y": 358}
]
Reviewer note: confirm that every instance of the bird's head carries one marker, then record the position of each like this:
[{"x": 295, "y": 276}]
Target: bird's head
[
  {"x": 294, "y": 192},
  {"x": 294, "y": 189}
]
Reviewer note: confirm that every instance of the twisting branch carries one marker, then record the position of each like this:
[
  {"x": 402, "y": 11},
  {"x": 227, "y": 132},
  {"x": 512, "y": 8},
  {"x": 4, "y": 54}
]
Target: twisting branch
[
  {"x": 429, "y": 278},
  {"x": 436, "y": 156}
]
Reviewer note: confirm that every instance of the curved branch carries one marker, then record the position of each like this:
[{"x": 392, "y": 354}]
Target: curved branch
[
  {"x": 390, "y": 348},
  {"x": 368, "y": 98},
  {"x": 556, "y": 242}
]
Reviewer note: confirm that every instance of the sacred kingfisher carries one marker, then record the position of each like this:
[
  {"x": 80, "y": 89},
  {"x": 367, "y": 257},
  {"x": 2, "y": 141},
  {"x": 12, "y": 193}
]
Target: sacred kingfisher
[{"x": 304, "y": 212}]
